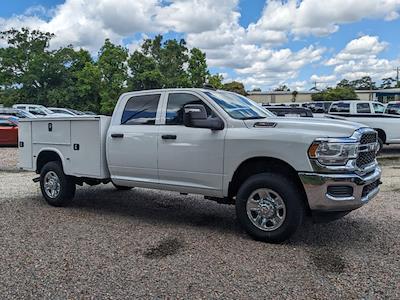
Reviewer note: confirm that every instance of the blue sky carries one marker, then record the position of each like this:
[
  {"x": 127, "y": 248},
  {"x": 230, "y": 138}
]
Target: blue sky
[{"x": 261, "y": 43}]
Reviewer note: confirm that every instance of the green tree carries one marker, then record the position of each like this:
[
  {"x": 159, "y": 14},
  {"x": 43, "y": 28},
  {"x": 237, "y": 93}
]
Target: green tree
[
  {"x": 26, "y": 64},
  {"x": 236, "y": 87},
  {"x": 145, "y": 73},
  {"x": 282, "y": 88},
  {"x": 215, "y": 80},
  {"x": 344, "y": 83},
  {"x": 197, "y": 69},
  {"x": 335, "y": 94},
  {"x": 365, "y": 83},
  {"x": 294, "y": 96},
  {"x": 387, "y": 83},
  {"x": 114, "y": 73}
]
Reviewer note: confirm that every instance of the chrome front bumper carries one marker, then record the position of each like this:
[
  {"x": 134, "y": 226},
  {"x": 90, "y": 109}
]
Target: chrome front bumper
[{"x": 363, "y": 190}]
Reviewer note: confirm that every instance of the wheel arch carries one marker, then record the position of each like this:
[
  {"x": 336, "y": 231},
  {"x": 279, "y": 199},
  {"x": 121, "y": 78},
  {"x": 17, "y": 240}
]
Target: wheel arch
[
  {"x": 47, "y": 155},
  {"x": 381, "y": 134},
  {"x": 260, "y": 164}
]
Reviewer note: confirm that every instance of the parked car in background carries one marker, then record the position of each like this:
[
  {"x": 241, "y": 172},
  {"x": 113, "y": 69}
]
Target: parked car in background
[
  {"x": 90, "y": 113},
  {"x": 8, "y": 131},
  {"x": 320, "y": 107},
  {"x": 39, "y": 110},
  {"x": 22, "y": 114},
  {"x": 355, "y": 108},
  {"x": 287, "y": 111},
  {"x": 371, "y": 114},
  {"x": 68, "y": 111},
  {"x": 393, "y": 108}
]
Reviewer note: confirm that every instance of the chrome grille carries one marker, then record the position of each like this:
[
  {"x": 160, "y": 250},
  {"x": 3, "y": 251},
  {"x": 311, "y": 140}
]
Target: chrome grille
[
  {"x": 368, "y": 138},
  {"x": 366, "y": 158}
]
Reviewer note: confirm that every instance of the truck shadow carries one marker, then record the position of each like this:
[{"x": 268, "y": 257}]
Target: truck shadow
[
  {"x": 170, "y": 208},
  {"x": 159, "y": 207}
]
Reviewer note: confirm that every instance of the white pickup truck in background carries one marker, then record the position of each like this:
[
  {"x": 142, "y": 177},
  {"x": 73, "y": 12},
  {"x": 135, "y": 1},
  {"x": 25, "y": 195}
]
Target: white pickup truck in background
[
  {"x": 214, "y": 143},
  {"x": 373, "y": 115}
]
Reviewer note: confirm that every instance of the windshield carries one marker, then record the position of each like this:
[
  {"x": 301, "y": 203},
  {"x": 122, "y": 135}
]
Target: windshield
[
  {"x": 393, "y": 109},
  {"x": 238, "y": 106}
]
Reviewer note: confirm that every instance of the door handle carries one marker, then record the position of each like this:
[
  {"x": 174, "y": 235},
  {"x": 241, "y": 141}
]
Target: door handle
[
  {"x": 117, "y": 135},
  {"x": 168, "y": 137}
]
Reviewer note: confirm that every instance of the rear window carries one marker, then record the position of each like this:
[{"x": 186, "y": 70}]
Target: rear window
[
  {"x": 141, "y": 110},
  {"x": 340, "y": 107},
  {"x": 363, "y": 108}
]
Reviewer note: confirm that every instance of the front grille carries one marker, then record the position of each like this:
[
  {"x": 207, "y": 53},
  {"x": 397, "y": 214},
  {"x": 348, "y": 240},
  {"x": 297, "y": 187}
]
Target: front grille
[
  {"x": 368, "y": 138},
  {"x": 369, "y": 188},
  {"x": 366, "y": 158}
]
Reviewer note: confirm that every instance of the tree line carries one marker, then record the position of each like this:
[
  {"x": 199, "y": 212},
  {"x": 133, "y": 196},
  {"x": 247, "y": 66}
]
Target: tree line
[{"x": 31, "y": 72}]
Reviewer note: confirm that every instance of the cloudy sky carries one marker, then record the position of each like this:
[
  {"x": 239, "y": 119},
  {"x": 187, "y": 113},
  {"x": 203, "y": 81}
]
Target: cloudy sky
[{"x": 261, "y": 43}]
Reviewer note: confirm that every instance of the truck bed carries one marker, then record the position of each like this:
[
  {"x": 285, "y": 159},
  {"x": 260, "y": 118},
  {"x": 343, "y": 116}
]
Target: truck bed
[{"x": 79, "y": 142}]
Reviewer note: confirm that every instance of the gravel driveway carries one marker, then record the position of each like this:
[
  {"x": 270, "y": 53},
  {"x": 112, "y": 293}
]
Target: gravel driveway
[{"x": 153, "y": 244}]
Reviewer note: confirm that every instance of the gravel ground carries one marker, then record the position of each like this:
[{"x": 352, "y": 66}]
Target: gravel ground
[
  {"x": 8, "y": 158},
  {"x": 153, "y": 244}
]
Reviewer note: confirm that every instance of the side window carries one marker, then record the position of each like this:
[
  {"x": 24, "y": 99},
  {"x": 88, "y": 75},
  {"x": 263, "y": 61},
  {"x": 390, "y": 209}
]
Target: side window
[
  {"x": 379, "y": 108},
  {"x": 363, "y": 108},
  {"x": 5, "y": 123},
  {"x": 176, "y": 102},
  {"x": 141, "y": 110},
  {"x": 340, "y": 107}
]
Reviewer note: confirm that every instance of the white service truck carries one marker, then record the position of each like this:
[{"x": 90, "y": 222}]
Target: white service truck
[
  {"x": 215, "y": 143},
  {"x": 371, "y": 114}
]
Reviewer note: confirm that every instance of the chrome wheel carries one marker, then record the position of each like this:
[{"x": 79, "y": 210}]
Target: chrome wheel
[
  {"x": 52, "y": 184},
  {"x": 266, "y": 209}
]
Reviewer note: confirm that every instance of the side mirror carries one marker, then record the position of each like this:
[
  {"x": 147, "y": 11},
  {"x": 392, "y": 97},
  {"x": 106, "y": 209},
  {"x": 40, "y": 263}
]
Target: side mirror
[{"x": 195, "y": 115}]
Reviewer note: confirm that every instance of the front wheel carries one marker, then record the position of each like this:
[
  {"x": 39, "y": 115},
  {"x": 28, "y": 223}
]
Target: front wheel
[
  {"x": 269, "y": 207},
  {"x": 57, "y": 188}
]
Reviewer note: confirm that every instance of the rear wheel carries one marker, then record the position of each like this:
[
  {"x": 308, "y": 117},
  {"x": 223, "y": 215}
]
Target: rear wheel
[
  {"x": 57, "y": 188},
  {"x": 269, "y": 207}
]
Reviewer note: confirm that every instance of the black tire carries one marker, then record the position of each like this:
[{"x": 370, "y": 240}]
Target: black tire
[
  {"x": 121, "y": 187},
  {"x": 66, "y": 184},
  {"x": 288, "y": 192}
]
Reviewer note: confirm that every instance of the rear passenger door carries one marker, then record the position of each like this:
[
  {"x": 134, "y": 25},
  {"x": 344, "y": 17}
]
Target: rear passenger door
[
  {"x": 132, "y": 141},
  {"x": 189, "y": 157}
]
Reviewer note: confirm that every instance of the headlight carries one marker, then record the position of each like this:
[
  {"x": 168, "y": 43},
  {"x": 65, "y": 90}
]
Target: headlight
[{"x": 333, "y": 153}]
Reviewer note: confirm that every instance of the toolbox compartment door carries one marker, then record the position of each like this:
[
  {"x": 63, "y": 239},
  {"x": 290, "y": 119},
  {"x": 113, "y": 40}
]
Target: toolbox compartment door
[
  {"x": 25, "y": 145},
  {"x": 52, "y": 131}
]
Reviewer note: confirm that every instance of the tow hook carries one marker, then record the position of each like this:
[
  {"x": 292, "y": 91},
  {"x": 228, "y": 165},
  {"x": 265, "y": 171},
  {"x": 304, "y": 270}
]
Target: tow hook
[{"x": 37, "y": 179}]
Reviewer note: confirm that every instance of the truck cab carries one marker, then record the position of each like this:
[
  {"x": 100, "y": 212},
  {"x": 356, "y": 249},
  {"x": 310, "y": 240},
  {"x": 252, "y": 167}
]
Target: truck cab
[
  {"x": 218, "y": 144},
  {"x": 354, "y": 107}
]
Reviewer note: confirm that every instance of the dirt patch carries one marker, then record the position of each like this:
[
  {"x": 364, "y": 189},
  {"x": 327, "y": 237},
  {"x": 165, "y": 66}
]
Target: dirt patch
[
  {"x": 166, "y": 247},
  {"x": 328, "y": 261}
]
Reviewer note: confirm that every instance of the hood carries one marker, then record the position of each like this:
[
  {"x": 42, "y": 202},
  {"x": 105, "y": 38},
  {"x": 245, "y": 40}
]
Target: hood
[{"x": 328, "y": 127}]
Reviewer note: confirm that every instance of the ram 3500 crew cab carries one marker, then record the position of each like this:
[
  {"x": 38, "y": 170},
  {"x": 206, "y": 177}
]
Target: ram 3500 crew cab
[{"x": 214, "y": 143}]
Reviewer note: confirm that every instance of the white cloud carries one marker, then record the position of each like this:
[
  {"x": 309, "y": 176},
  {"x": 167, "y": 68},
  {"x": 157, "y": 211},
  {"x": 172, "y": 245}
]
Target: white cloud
[
  {"x": 316, "y": 17},
  {"x": 194, "y": 16},
  {"x": 360, "y": 58},
  {"x": 360, "y": 48},
  {"x": 256, "y": 53}
]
